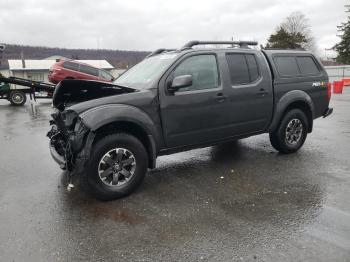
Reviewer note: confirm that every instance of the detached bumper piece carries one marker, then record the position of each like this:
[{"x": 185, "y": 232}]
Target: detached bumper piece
[
  {"x": 328, "y": 112},
  {"x": 57, "y": 147},
  {"x": 67, "y": 136},
  {"x": 57, "y": 157}
]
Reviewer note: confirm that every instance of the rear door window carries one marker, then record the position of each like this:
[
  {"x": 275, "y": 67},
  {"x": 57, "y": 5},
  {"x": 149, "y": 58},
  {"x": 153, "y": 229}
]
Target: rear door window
[
  {"x": 243, "y": 68},
  {"x": 89, "y": 70},
  {"x": 71, "y": 66},
  {"x": 252, "y": 67},
  {"x": 238, "y": 67},
  {"x": 287, "y": 66},
  {"x": 307, "y": 66}
]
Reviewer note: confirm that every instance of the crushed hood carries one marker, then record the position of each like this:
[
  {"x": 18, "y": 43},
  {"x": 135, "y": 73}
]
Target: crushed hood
[{"x": 69, "y": 92}]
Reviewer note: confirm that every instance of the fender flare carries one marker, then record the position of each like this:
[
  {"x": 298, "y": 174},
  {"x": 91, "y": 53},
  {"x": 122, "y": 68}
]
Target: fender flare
[
  {"x": 285, "y": 101},
  {"x": 98, "y": 117}
]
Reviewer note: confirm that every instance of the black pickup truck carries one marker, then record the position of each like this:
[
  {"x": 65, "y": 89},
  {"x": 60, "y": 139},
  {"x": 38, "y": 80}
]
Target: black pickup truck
[{"x": 176, "y": 100}]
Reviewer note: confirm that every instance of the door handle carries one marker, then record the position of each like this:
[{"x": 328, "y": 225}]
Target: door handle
[
  {"x": 262, "y": 92},
  {"x": 220, "y": 97}
]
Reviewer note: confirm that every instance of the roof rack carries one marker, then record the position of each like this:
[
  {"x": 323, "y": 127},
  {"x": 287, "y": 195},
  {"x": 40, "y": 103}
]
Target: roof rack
[
  {"x": 297, "y": 48},
  {"x": 242, "y": 44},
  {"x": 159, "y": 51}
]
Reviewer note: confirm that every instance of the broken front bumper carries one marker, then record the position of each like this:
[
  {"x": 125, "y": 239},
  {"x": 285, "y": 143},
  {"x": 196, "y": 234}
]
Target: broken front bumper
[
  {"x": 69, "y": 141},
  {"x": 57, "y": 146},
  {"x": 57, "y": 157}
]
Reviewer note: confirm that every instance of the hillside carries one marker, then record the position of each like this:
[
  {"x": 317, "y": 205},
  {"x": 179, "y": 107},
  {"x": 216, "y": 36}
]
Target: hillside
[{"x": 118, "y": 58}]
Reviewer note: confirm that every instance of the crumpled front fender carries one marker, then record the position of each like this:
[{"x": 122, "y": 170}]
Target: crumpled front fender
[{"x": 103, "y": 115}]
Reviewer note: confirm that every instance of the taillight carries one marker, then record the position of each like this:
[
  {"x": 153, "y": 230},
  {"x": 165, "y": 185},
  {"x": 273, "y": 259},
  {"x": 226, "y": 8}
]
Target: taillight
[{"x": 329, "y": 90}]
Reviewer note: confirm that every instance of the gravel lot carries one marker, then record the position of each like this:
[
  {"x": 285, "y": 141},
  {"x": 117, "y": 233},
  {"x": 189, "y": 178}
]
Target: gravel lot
[{"x": 236, "y": 202}]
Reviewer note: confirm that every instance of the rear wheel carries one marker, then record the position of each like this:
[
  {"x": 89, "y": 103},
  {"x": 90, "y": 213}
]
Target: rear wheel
[
  {"x": 291, "y": 133},
  {"x": 17, "y": 98},
  {"x": 118, "y": 165}
]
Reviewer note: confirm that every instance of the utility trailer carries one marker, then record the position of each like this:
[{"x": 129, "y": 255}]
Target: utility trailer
[{"x": 18, "y": 97}]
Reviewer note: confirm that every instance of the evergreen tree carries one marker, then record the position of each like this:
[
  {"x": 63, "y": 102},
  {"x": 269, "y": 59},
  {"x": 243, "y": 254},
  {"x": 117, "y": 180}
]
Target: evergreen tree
[
  {"x": 294, "y": 32},
  {"x": 343, "y": 47},
  {"x": 284, "y": 39}
]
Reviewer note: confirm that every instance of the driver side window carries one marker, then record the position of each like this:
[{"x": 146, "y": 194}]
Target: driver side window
[{"x": 203, "y": 69}]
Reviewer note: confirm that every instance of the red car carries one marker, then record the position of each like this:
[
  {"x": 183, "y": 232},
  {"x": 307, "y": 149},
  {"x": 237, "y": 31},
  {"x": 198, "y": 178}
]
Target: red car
[{"x": 70, "y": 69}]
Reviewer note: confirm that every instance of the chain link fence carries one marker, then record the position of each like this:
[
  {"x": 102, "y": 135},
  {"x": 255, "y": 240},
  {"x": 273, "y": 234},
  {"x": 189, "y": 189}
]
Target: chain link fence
[{"x": 336, "y": 73}]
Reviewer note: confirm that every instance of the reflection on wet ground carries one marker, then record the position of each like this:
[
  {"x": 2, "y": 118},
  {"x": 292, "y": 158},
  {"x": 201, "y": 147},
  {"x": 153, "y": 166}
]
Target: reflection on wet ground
[{"x": 238, "y": 201}]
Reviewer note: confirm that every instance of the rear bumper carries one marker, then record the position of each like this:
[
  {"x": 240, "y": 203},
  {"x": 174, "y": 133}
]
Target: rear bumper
[{"x": 328, "y": 112}]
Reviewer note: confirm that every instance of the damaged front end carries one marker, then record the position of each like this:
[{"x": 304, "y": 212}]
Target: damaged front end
[{"x": 68, "y": 136}]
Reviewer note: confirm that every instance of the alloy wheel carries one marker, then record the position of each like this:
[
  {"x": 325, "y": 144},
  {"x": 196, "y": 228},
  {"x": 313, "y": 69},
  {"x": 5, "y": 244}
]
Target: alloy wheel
[
  {"x": 294, "y": 131},
  {"x": 117, "y": 167}
]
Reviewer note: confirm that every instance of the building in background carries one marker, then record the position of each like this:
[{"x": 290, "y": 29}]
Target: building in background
[{"x": 57, "y": 58}]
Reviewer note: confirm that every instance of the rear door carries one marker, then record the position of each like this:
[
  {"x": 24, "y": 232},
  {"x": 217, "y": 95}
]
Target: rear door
[{"x": 250, "y": 91}]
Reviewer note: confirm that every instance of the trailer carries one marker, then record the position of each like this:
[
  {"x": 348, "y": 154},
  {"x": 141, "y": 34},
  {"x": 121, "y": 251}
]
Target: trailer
[{"x": 18, "y": 97}]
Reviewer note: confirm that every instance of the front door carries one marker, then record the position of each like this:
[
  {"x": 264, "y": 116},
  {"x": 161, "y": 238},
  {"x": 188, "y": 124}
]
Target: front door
[{"x": 197, "y": 113}]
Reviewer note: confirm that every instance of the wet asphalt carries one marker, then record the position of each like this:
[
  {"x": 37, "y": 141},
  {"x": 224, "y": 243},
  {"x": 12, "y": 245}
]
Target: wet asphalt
[{"x": 240, "y": 201}]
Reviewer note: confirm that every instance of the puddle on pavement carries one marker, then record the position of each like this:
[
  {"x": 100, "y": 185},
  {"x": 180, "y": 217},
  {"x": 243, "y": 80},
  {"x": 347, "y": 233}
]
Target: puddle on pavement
[
  {"x": 105, "y": 211},
  {"x": 94, "y": 209}
]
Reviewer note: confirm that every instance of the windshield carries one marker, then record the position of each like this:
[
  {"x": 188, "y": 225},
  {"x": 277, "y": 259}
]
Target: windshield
[{"x": 145, "y": 72}]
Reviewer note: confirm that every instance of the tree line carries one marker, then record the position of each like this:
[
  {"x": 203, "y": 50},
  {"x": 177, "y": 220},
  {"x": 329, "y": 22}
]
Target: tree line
[{"x": 117, "y": 58}]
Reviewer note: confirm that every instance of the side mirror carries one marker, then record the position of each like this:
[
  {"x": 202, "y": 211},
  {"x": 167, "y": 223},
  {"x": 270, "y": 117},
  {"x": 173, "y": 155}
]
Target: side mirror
[{"x": 180, "y": 82}]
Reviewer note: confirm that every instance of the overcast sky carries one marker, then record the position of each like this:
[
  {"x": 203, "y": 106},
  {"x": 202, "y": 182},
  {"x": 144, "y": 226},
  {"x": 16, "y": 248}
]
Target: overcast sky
[{"x": 150, "y": 24}]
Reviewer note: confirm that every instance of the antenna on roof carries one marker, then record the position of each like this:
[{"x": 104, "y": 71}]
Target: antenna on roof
[{"x": 241, "y": 44}]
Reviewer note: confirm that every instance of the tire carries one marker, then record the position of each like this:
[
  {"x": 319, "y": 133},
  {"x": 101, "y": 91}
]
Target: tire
[
  {"x": 17, "y": 98},
  {"x": 291, "y": 133},
  {"x": 101, "y": 171}
]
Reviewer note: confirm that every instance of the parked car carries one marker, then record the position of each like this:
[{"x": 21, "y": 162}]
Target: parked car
[
  {"x": 183, "y": 99},
  {"x": 70, "y": 69}
]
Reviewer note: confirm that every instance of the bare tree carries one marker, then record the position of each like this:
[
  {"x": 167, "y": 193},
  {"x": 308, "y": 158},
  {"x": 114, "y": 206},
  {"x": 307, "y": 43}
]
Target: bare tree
[{"x": 296, "y": 23}]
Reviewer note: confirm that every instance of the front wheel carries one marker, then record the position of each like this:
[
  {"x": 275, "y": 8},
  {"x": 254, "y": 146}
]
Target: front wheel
[
  {"x": 291, "y": 133},
  {"x": 118, "y": 164},
  {"x": 17, "y": 98}
]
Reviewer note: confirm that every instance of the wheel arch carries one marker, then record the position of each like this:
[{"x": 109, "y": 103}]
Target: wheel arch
[
  {"x": 113, "y": 118},
  {"x": 294, "y": 99},
  {"x": 132, "y": 128}
]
